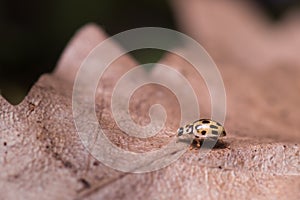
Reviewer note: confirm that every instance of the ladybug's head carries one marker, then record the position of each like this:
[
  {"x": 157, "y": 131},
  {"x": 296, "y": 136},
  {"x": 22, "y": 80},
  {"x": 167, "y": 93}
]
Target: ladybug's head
[{"x": 188, "y": 129}]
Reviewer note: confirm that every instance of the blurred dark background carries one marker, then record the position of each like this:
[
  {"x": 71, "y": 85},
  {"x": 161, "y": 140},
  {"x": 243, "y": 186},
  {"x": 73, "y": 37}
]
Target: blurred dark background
[{"x": 34, "y": 33}]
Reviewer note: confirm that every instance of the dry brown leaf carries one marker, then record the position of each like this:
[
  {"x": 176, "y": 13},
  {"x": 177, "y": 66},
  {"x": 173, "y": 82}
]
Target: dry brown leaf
[{"x": 42, "y": 157}]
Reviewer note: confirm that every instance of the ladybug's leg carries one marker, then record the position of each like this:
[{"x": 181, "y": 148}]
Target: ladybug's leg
[
  {"x": 195, "y": 144},
  {"x": 198, "y": 143}
]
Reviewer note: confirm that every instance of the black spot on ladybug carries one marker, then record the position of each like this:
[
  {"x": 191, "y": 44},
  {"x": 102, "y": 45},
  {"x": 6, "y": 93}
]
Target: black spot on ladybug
[
  {"x": 205, "y": 121},
  {"x": 213, "y": 126},
  {"x": 224, "y": 133},
  {"x": 197, "y": 136},
  {"x": 214, "y": 132},
  {"x": 218, "y": 124},
  {"x": 190, "y": 129},
  {"x": 203, "y": 132}
]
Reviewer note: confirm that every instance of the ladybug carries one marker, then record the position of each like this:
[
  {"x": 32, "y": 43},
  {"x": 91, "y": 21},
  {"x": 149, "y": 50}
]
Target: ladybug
[{"x": 202, "y": 129}]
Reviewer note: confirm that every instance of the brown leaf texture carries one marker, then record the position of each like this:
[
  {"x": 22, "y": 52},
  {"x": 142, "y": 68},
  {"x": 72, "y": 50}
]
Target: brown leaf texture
[{"x": 42, "y": 157}]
